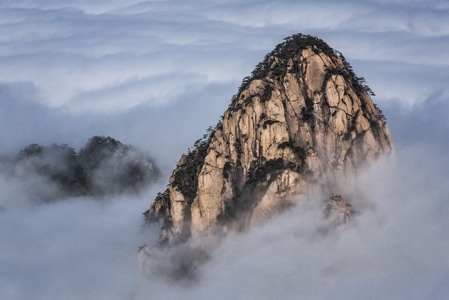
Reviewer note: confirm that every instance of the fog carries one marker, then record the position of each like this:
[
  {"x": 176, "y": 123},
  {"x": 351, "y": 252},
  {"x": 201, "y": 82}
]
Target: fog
[
  {"x": 396, "y": 247},
  {"x": 156, "y": 75}
]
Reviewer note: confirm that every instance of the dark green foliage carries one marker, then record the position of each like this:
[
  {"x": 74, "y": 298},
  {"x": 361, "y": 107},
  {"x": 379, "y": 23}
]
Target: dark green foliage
[
  {"x": 57, "y": 163},
  {"x": 97, "y": 149},
  {"x": 238, "y": 147},
  {"x": 229, "y": 212},
  {"x": 72, "y": 177},
  {"x": 30, "y": 150},
  {"x": 245, "y": 82},
  {"x": 103, "y": 166},
  {"x": 284, "y": 51},
  {"x": 333, "y": 71},
  {"x": 237, "y": 107},
  {"x": 267, "y": 93},
  {"x": 259, "y": 172},
  {"x": 351, "y": 128},
  {"x": 219, "y": 125},
  {"x": 156, "y": 216},
  {"x": 307, "y": 111},
  {"x": 288, "y": 49},
  {"x": 358, "y": 83},
  {"x": 269, "y": 122},
  {"x": 309, "y": 104},
  {"x": 362, "y": 85},
  {"x": 132, "y": 175},
  {"x": 278, "y": 71},
  {"x": 375, "y": 127},
  {"x": 295, "y": 68},
  {"x": 227, "y": 168},
  {"x": 185, "y": 176},
  {"x": 271, "y": 166},
  {"x": 299, "y": 151},
  {"x": 380, "y": 112},
  {"x": 113, "y": 167},
  {"x": 307, "y": 115}
]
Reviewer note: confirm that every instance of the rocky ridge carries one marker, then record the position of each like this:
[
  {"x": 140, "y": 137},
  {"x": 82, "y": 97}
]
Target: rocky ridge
[{"x": 302, "y": 121}]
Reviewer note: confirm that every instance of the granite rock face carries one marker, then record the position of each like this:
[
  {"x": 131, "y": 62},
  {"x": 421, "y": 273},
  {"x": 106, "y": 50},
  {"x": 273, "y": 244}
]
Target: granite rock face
[{"x": 303, "y": 120}]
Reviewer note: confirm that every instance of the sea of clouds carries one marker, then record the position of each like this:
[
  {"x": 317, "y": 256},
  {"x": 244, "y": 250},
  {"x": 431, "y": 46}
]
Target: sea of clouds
[{"x": 157, "y": 74}]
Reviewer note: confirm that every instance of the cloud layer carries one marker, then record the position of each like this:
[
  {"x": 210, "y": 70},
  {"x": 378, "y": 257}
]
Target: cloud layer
[
  {"x": 156, "y": 74},
  {"x": 396, "y": 247}
]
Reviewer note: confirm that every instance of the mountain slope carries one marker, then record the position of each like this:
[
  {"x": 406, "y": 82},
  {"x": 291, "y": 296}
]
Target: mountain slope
[
  {"x": 103, "y": 167},
  {"x": 302, "y": 121}
]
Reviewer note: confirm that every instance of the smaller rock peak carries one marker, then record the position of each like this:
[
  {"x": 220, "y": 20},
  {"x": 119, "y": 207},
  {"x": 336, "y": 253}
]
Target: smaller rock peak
[{"x": 339, "y": 210}]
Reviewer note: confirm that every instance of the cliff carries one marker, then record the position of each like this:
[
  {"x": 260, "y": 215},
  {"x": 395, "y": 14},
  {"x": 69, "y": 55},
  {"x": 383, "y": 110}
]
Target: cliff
[{"x": 302, "y": 121}]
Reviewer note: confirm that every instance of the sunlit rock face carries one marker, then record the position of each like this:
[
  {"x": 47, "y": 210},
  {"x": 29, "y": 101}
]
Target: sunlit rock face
[{"x": 302, "y": 121}]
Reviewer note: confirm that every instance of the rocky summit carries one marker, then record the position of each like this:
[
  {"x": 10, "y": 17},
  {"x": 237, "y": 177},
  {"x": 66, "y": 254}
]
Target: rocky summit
[{"x": 302, "y": 121}]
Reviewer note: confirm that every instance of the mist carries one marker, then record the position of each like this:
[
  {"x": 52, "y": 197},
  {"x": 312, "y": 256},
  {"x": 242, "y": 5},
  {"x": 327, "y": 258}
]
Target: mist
[
  {"x": 396, "y": 246},
  {"x": 156, "y": 75}
]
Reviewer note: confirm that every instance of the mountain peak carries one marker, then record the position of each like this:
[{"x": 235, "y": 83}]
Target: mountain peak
[{"x": 302, "y": 121}]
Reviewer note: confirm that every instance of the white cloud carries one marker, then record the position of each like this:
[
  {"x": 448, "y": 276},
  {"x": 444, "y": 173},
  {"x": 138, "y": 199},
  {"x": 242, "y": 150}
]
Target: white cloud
[
  {"x": 66, "y": 250},
  {"x": 69, "y": 53},
  {"x": 290, "y": 14},
  {"x": 395, "y": 248}
]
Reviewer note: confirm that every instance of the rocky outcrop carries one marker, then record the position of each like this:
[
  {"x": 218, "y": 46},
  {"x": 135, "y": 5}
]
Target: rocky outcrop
[
  {"x": 338, "y": 210},
  {"x": 303, "y": 120}
]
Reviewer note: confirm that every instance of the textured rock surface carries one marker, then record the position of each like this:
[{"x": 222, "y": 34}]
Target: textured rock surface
[
  {"x": 300, "y": 120},
  {"x": 339, "y": 210}
]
